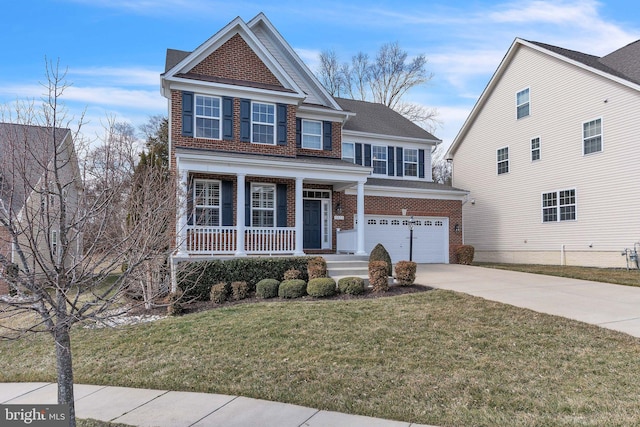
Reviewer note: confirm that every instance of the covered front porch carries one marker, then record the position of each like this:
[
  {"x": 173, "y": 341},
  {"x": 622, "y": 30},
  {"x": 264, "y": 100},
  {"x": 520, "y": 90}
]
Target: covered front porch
[{"x": 288, "y": 208}]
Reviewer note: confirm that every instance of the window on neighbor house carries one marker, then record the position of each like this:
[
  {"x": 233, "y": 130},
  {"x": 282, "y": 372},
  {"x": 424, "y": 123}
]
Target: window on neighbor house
[
  {"x": 559, "y": 206},
  {"x": 410, "y": 162},
  {"x": 379, "y": 159},
  {"x": 349, "y": 152},
  {"x": 592, "y": 136},
  {"x": 522, "y": 103},
  {"x": 312, "y": 134},
  {"x": 206, "y": 202},
  {"x": 263, "y": 205},
  {"x": 502, "y": 156},
  {"x": 208, "y": 117},
  {"x": 263, "y": 119},
  {"x": 54, "y": 242},
  {"x": 535, "y": 149}
]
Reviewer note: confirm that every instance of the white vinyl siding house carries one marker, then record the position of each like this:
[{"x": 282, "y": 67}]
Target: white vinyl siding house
[{"x": 590, "y": 191}]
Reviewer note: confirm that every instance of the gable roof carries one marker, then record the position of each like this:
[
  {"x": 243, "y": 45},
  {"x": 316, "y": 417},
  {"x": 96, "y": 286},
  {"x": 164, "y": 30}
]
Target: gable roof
[
  {"x": 621, "y": 66},
  {"x": 376, "y": 118},
  {"x": 24, "y": 149}
]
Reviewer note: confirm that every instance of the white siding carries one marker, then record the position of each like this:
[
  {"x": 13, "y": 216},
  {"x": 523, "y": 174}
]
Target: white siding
[{"x": 506, "y": 217}]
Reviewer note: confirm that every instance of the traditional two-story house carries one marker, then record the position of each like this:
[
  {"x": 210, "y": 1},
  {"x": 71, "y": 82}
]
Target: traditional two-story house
[
  {"x": 549, "y": 154},
  {"x": 270, "y": 163}
]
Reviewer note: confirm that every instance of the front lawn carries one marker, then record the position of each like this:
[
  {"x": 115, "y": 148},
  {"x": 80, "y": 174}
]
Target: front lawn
[{"x": 436, "y": 357}]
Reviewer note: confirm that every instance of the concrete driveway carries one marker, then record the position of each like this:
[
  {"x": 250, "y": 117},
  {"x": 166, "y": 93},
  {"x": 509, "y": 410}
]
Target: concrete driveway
[{"x": 609, "y": 306}]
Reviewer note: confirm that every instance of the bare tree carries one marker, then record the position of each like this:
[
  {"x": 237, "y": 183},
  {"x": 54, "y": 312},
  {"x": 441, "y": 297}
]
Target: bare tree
[
  {"x": 441, "y": 168},
  {"x": 59, "y": 273},
  {"x": 330, "y": 72}
]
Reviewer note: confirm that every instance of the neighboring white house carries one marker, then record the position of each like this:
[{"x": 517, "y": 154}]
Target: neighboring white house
[{"x": 550, "y": 156}]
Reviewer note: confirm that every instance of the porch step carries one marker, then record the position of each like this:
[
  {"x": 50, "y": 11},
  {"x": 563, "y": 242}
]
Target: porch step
[{"x": 339, "y": 266}]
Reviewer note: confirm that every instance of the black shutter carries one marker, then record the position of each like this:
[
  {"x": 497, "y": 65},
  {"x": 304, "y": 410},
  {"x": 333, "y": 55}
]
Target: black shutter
[
  {"x": 367, "y": 154},
  {"x": 282, "y": 124},
  {"x": 358, "y": 154},
  {"x": 247, "y": 204},
  {"x": 227, "y": 203},
  {"x": 187, "y": 113},
  {"x": 421, "y": 163},
  {"x": 281, "y": 201},
  {"x": 390, "y": 162},
  {"x": 399, "y": 162},
  {"x": 245, "y": 120},
  {"x": 326, "y": 136},
  {"x": 299, "y": 133},
  {"x": 227, "y": 118}
]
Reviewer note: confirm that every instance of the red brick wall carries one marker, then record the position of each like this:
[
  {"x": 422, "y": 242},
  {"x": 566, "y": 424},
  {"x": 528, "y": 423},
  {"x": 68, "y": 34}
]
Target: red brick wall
[{"x": 236, "y": 60}]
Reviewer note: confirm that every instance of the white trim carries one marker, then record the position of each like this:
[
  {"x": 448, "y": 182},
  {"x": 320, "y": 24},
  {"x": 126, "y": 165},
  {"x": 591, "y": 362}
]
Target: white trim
[
  {"x": 391, "y": 139},
  {"x": 601, "y": 135},
  {"x": 410, "y": 193},
  {"x": 220, "y": 89}
]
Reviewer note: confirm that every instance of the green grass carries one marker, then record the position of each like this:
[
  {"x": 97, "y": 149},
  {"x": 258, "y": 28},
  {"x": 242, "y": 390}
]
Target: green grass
[
  {"x": 435, "y": 357},
  {"x": 620, "y": 276}
]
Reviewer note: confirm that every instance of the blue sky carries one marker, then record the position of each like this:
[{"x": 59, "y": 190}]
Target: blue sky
[{"x": 114, "y": 50}]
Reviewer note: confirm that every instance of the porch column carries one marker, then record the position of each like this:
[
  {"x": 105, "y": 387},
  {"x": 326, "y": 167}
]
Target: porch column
[
  {"x": 360, "y": 216},
  {"x": 299, "y": 219},
  {"x": 240, "y": 216},
  {"x": 181, "y": 223}
]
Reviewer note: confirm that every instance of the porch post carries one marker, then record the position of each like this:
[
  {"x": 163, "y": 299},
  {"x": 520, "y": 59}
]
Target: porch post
[
  {"x": 299, "y": 219},
  {"x": 360, "y": 216},
  {"x": 181, "y": 223},
  {"x": 240, "y": 216}
]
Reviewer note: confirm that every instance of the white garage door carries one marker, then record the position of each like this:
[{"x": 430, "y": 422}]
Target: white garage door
[{"x": 430, "y": 237}]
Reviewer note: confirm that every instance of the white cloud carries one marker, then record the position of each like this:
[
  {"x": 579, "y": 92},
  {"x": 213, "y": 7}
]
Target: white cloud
[{"x": 121, "y": 76}]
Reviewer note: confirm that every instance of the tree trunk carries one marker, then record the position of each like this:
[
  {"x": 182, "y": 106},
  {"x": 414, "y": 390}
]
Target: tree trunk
[{"x": 65, "y": 371}]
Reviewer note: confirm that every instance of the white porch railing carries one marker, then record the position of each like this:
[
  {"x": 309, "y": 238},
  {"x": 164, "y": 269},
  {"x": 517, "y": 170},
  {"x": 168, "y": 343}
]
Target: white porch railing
[
  {"x": 223, "y": 240},
  {"x": 346, "y": 241}
]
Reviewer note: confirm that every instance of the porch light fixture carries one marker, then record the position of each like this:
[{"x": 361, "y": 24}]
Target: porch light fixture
[
  {"x": 456, "y": 228},
  {"x": 339, "y": 208},
  {"x": 411, "y": 223}
]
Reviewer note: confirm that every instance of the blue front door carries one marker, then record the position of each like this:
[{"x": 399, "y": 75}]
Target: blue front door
[{"x": 312, "y": 224}]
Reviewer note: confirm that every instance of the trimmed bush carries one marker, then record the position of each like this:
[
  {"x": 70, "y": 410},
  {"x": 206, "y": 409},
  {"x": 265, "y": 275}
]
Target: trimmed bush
[
  {"x": 219, "y": 293},
  {"x": 464, "y": 254},
  {"x": 378, "y": 277},
  {"x": 351, "y": 285},
  {"x": 239, "y": 290},
  {"x": 379, "y": 253},
  {"x": 267, "y": 288},
  {"x": 174, "y": 303},
  {"x": 321, "y": 287},
  {"x": 294, "y": 288},
  {"x": 292, "y": 274},
  {"x": 195, "y": 278},
  {"x": 317, "y": 267},
  {"x": 406, "y": 272}
]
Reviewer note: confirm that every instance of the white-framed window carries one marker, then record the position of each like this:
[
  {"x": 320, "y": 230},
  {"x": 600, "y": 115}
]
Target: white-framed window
[
  {"x": 559, "y": 206},
  {"x": 54, "y": 242},
  {"x": 312, "y": 134},
  {"x": 349, "y": 152},
  {"x": 502, "y": 157},
  {"x": 379, "y": 159},
  {"x": 535, "y": 149},
  {"x": 263, "y": 205},
  {"x": 410, "y": 162},
  {"x": 207, "y": 118},
  {"x": 263, "y": 123},
  {"x": 592, "y": 136},
  {"x": 522, "y": 103},
  {"x": 206, "y": 202}
]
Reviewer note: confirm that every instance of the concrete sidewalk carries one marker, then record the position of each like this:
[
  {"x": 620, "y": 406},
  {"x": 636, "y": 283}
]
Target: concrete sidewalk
[
  {"x": 162, "y": 408},
  {"x": 610, "y": 306}
]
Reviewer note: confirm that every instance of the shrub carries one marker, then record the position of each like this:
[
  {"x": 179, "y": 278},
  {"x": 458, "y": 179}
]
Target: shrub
[
  {"x": 294, "y": 288},
  {"x": 464, "y": 254},
  {"x": 239, "y": 290},
  {"x": 379, "y": 253},
  {"x": 291, "y": 274},
  {"x": 219, "y": 293},
  {"x": 406, "y": 272},
  {"x": 267, "y": 288},
  {"x": 174, "y": 303},
  {"x": 317, "y": 267},
  {"x": 378, "y": 277},
  {"x": 321, "y": 287},
  {"x": 351, "y": 285}
]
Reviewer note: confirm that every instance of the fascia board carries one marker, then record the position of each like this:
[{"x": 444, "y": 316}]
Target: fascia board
[
  {"x": 306, "y": 112},
  {"x": 221, "y": 89},
  {"x": 390, "y": 138},
  {"x": 411, "y": 193}
]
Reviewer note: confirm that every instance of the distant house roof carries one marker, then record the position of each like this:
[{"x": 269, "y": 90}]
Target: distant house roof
[
  {"x": 379, "y": 119},
  {"x": 24, "y": 150}
]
